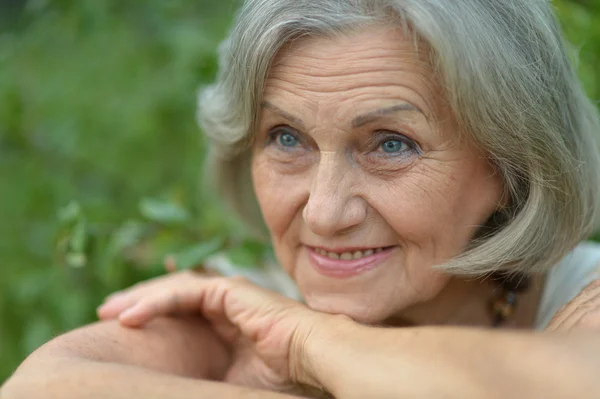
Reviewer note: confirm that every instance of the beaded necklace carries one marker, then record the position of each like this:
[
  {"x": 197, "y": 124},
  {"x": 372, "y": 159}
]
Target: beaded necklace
[{"x": 504, "y": 304}]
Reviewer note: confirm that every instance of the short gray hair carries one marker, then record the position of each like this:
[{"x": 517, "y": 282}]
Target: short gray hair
[{"x": 507, "y": 78}]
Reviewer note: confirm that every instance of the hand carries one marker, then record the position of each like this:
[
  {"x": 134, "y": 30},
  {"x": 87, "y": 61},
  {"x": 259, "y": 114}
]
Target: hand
[
  {"x": 582, "y": 312},
  {"x": 265, "y": 330}
]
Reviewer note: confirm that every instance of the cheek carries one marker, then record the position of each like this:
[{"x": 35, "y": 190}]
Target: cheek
[
  {"x": 415, "y": 200},
  {"x": 279, "y": 196},
  {"x": 436, "y": 208}
]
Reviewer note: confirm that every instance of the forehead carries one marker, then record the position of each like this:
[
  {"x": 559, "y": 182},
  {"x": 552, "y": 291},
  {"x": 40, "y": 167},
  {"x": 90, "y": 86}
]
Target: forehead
[{"x": 373, "y": 65}]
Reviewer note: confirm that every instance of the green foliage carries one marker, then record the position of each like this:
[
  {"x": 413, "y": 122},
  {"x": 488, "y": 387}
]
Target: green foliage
[
  {"x": 581, "y": 23},
  {"x": 100, "y": 156},
  {"x": 101, "y": 159}
]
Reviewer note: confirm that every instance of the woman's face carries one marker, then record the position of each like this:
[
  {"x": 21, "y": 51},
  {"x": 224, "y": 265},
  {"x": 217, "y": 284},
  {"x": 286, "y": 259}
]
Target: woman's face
[{"x": 360, "y": 176}]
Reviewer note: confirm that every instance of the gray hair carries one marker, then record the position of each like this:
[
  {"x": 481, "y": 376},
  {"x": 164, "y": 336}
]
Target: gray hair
[{"x": 507, "y": 78}]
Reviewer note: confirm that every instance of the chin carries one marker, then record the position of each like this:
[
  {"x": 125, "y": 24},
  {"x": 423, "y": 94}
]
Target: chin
[{"x": 358, "y": 310}]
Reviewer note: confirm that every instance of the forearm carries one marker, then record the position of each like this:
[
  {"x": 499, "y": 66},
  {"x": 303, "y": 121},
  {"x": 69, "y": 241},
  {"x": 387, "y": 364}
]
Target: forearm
[
  {"x": 170, "y": 358},
  {"x": 353, "y": 361},
  {"x": 184, "y": 346},
  {"x": 66, "y": 378},
  {"x": 72, "y": 364}
]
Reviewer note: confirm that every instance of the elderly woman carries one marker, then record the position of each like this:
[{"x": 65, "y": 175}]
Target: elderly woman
[{"x": 426, "y": 170}]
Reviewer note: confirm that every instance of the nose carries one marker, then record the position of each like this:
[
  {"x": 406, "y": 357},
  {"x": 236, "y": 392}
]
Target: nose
[{"x": 333, "y": 206}]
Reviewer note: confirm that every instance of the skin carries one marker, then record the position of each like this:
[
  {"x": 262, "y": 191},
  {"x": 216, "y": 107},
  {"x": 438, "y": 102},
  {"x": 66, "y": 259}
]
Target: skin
[
  {"x": 337, "y": 188},
  {"x": 174, "y": 358}
]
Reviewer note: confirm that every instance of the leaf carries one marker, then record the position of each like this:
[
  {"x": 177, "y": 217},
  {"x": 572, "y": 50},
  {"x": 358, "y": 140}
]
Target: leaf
[
  {"x": 127, "y": 235},
  {"x": 163, "y": 211},
  {"x": 69, "y": 213},
  {"x": 195, "y": 255},
  {"x": 250, "y": 254},
  {"x": 76, "y": 260},
  {"x": 78, "y": 237}
]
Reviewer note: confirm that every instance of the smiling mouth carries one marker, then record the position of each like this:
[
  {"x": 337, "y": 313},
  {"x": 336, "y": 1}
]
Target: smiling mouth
[
  {"x": 349, "y": 255},
  {"x": 349, "y": 262}
]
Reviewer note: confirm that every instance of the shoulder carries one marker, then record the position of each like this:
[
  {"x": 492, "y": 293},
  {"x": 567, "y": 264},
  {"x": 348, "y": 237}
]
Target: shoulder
[{"x": 567, "y": 279}]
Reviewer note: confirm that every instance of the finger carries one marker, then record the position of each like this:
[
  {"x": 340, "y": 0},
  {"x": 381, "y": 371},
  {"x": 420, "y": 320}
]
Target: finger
[
  {"x": 243, "y": 304},
  {"x": 204, "y": 295},
  {"x": 111, "y": 309},
  {"x": 147, "y": 309},
  {"x": 114, "y": 295},
  {"x": 183, "y": 298},
  {"x": 228, "y": 332},
  {"x": 568, "y": 309},
  {"x": 136, "y": 316},
  {"x": 118, "y": 302},
  {"x": 144, "y": 288},
  {"x": 583, "y": 310},
  {"x": 575, "y": 321},
  {"x": 573, "y": 310},
  {"x": 127, "y": 292}
]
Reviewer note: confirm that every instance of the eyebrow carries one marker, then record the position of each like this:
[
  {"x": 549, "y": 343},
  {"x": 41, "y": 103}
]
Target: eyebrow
[
  {"x": 282, "y": 113},
  {"x": 356, "y": 122}
]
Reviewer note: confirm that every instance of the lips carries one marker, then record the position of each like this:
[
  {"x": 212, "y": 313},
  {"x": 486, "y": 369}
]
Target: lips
[{"x": 347, "y": 263}]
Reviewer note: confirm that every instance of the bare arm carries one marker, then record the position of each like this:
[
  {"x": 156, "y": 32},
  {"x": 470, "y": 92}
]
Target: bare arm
[
  {"x": 355, "y": 361},
  {"x": 104, "y": 360}
]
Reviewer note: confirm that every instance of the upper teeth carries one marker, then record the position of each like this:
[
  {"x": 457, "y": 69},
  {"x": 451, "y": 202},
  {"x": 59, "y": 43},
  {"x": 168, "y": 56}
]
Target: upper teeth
[{"x": 348, "y": 255}]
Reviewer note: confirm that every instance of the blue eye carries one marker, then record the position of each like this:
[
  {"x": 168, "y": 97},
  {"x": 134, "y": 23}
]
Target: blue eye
[
  {"x": 287, "y": 140},
  {"x": 393, "y": 146}
]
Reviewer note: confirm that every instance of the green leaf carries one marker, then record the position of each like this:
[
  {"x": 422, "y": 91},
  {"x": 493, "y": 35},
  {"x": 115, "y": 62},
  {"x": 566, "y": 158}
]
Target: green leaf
[
  {"x": 69, "y": 213},
  {"x": 76, "y": 259},
  {"x": 78, "y": 237},
  {"x": 249, "y": 254},
  {"x": 195, "y": 255},
  {"x": 163, "y": 211},
  {"x": 127, "y": 235}
]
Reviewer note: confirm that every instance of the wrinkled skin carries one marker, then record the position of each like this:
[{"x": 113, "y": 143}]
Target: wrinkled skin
[
  {"x": 264, "y": 330},
  {"x": 337, "y": 187},
  {"x": 583, "y": 312}
]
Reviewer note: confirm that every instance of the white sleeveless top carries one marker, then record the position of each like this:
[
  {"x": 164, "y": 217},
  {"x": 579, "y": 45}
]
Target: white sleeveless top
[{"x": 564, "y": 281}]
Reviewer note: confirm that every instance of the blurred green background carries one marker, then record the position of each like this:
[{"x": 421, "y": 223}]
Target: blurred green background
[{"x": 100, "y": 156}]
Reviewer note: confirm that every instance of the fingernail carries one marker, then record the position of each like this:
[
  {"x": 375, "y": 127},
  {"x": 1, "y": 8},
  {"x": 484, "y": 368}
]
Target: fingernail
[
  {"x": 131, "y": 318},
  {"x": 100, "y": 310},
  {"x": 127, "y": 313}
]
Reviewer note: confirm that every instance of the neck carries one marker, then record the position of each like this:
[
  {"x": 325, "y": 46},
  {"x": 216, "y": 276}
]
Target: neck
[{"x": 465, "y": 302}]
